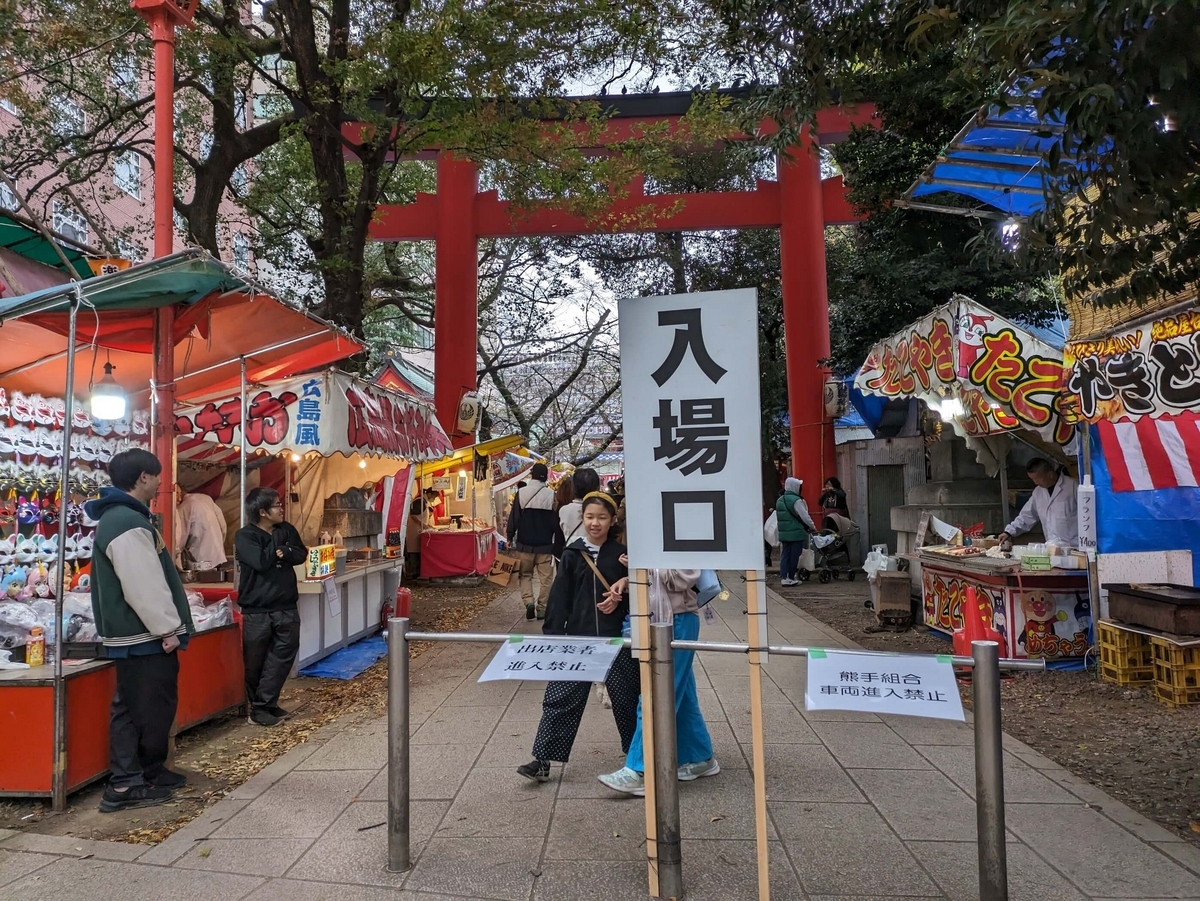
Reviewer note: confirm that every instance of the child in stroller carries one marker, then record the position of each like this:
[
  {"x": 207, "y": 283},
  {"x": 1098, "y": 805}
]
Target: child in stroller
[{"x": 835, "y": 550}]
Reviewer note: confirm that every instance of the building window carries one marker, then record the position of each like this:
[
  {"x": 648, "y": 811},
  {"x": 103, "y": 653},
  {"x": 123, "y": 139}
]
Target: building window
[
  {"x": 127, "y": 173},
  {"x": 69, "y": 118},
  {"x": 238, "y": 181},
  {"x": 125, "y": 75},
  {"x": 70, "y": 223},
  {"x": 241, "y": 252},
  {"x": 8, "y": 200},
  {"x": 241, "y": 110},
  {"x": 8, "y": 106},
  {"x": 129, "y": 251}
]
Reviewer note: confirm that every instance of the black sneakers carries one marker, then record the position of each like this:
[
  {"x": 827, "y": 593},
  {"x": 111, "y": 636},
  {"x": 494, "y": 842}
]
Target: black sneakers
[
  {"x": 535, "y": 770},
  {"x": 168, "y": 779},
  {"x": 529, "y": 611},
  {"x": 131, "y": 798},
  {"x": 265, "y": 718},
  {"x": 279, "y": 712}
]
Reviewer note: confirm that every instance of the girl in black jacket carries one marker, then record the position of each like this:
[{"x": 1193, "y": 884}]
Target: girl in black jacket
[{"x": 584, "y": 602}]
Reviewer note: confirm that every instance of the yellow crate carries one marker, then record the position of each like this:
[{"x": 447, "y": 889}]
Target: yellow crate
[
  {"x": 1119, "y": 637},
  {"x": 1176, "y": 697},
  {"x": 1171, "y": 654},
  {"x": 1127, "y": 678}
]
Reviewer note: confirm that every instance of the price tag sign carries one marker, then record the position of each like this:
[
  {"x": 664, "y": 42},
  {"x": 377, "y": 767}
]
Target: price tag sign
[
  {"x": 540, "y": 659},
  {"x": 907, "y": 685}
]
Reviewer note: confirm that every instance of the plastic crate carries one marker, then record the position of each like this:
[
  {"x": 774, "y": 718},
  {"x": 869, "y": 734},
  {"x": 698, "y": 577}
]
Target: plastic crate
[
  {"x": 1176, "y": 697},
  {"x": 1117, "y": 636},
  {"x": 1167, "y": 652},
  {"x": 1126, "y": 658},
  {"x": 1127, "y": 677}
]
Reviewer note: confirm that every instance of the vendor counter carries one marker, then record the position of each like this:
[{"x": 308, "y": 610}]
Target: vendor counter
[
  {"x": 340, "y": 609},
  {"x": 1042, "y": 614},
  {"x": 457, "y": 552},
  {"x": 211, "y": 682}
]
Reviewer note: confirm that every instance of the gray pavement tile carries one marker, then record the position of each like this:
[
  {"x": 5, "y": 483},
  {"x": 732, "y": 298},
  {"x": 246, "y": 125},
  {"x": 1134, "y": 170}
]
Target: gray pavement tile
[
  {"x": 955, "y": 866},
  {"x": 919, "y": 730},
  {"x": 876, "y": 898},
  {"x": 70, "y": 878},
  {"x": 848, "y": 848},
  {"x": 458, "y": 725},
  {"x": 260, "y": 857},
  {"x": 869, "y": 746},
  {"x": 15, "y": 864},
  {"x": 353, "y": 851},
  {"x": 719, "y": 807},
  {"x": 1097, "y": 855},
  {"x": 499, "y": 868},
  {"x": 616, "y": 880},
  {"x": 179, "y": 843},
  {"x": 1143, "y": 828},
  {"x": 435, "y": 772},
  {"x": 300, "y": 805},
  {"x": 806, "y": 773},
  {"x": 737, "y": 688},
  {"x": 525, "y": 707},
  {"x": 722, "y": 870},
  {"x": 611, "y": 828},
  {"x": 589, "y": 760},
  {"x": 837, "y": 716},
  {"x": 919, "y": 804},
  {"x": 273, "y": 772},
  {"x": 497, "y": 802},
  {"x": 510, "y": 745},
  {"x": 710, "y": 705},
  {"x": 1181, "y": 852},
  {"x": 70, "y": 846},
  {"x": 598, "y": 725},
  {"x": 298, "y": 890},
  {"x": 353, "y": 750},
  {"x": 781, "y": 723},
  {"x": 729, "y": 753},
  {"x": 481, "y": 694},
  {"x": 1022, "y": 783}
]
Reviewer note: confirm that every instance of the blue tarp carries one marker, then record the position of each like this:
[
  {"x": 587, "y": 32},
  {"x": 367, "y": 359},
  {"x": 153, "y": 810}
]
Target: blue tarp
[
  {"x": 1165, "y": 519},
  {"x": 349, "y": 662}
]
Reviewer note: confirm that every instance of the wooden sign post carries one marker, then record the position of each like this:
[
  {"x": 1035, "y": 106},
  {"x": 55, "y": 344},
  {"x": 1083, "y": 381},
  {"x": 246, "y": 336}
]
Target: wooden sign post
[
  {"x": 756, "y": 614},
  {"x": 639, "y": 621}
]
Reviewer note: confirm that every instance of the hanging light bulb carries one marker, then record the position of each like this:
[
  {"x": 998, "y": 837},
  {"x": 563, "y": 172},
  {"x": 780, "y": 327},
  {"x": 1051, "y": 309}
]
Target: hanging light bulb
[
  {"x": 108, "y": 398},
  {"x": 295, "y": 457}
]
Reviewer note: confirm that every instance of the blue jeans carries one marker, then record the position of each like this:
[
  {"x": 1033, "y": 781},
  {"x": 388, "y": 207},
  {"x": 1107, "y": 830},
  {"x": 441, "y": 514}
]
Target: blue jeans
[
  {"x": 789, "y": 557},
  {"x": 692, "y": 740}
]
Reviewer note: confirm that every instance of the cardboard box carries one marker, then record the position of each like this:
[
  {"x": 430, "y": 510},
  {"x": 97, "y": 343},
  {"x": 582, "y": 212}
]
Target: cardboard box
[{"x": 503, "y": 569}]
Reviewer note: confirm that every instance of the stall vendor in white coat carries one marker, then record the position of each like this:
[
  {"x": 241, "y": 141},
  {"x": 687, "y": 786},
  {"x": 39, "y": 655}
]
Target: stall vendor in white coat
[
  {"x": 200, "y": 530},
  {"x": 1053, "y": 505}
]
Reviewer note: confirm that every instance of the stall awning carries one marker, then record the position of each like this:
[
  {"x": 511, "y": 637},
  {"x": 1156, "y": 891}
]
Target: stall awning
[
  {"x": 327, "y": 413},
  {"x": 220, "y": 317},
  {"x": 983, "y": 373},
  {"x": 27, "y": 241},
  {"x": 465, "y": 455}
]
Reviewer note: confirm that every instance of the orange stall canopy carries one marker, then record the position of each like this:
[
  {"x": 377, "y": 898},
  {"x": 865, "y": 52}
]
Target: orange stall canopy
[{"x": 220, "y": 317}]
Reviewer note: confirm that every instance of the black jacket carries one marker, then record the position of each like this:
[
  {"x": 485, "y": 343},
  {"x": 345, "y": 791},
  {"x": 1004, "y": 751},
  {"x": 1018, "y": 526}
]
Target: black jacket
[
  {"x": 533, "y": 522},
  {"x": 571, "y": 608},
  {"x": 267, "y": 581}
]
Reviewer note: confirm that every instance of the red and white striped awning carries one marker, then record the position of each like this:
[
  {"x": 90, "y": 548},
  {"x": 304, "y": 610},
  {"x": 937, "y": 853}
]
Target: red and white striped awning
[{"x": 1152, "y": 453}]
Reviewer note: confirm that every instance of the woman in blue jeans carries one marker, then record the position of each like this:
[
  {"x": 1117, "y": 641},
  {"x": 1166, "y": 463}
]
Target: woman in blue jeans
[
  {"x": 695, "y": 751},
  {"x": 795, "y": 525}
]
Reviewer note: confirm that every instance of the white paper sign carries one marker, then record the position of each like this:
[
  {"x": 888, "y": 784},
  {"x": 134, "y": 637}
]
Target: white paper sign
[
  {"x": 1085, "y": 499},
  {"x": 333, "y": 597},
  {"x": 541, "y": 659},
  {"x": 690, "y": 404},
  {"x": 910, "y": 686}
]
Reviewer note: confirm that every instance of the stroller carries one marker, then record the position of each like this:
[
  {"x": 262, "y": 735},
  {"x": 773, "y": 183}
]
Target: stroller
[{"x": 834, "y": 550}]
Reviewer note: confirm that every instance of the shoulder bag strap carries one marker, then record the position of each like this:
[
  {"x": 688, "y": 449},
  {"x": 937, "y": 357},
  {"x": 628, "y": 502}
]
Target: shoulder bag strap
[{"x": 596, "y": 570}]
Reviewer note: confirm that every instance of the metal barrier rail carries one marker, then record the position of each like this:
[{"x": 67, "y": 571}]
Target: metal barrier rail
[{"x": 985, "y": 663}]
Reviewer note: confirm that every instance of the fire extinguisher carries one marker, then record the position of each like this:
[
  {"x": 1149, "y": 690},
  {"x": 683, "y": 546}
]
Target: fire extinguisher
[{"x": 402, "y": 606}]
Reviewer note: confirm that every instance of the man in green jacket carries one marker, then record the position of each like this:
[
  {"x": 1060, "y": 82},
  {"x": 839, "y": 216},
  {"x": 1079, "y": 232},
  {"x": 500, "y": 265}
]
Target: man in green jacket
[
  {"x": 795, "y": 525},
  {"x": 143, "y": 619}
]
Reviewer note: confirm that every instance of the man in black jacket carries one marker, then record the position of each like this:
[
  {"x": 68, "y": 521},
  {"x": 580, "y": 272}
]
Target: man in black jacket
[
  {"x": 266, "y": 552},
  {"x": 532, "y": 526}
]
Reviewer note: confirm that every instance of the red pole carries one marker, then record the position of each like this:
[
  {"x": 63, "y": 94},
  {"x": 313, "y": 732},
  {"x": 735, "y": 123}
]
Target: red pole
[
  {"x": 162, "y": 32},
  {"x": 456, "y": 292},
  {"x": 805, "y": 314}
]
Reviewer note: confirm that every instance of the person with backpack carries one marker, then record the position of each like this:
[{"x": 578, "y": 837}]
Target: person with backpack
[
  {"x": 693, "y": 743},
  {"x": 795, "y": 525},
  {"x": 588, "y": 599},
  {"x": 532, "y": 531}
]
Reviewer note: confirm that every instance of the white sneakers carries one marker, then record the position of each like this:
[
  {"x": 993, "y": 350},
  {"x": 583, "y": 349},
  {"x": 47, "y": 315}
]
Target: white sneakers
[{"x": 631, "y": 782}]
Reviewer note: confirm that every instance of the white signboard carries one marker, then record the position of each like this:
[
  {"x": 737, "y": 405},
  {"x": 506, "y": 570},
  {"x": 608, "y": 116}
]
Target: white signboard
[
  {"x": 909, "y": 686},
  {"x": 689, "y": 389},
  {"x": 539, "y": 659},
  {"x": 1085, "y": 500}
]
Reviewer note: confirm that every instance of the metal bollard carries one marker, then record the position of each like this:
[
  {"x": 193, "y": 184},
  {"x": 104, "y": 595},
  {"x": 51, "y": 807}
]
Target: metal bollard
[
  {"x": 399, "y": 855},
  {"x": 989, "y": 772},
  {"x": 665, "y": 763}
]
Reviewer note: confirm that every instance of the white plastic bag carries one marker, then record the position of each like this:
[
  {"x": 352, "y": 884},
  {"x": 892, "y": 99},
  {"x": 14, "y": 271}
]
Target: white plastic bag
[
  {"x": 808, "y": 560},
  {"x": 771, "y": 530},
  {"x": 874, "y": 563}
]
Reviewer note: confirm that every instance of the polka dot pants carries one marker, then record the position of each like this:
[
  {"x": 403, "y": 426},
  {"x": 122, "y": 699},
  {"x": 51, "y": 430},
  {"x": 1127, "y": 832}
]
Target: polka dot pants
[{"x": 562, "y": 709}]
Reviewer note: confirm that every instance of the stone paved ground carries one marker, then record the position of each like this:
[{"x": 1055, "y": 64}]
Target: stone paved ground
[{"x": 861, "y": 807}]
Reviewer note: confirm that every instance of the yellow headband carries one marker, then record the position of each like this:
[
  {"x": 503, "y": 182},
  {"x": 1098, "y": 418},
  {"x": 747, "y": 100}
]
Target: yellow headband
[{"x": 600, "y": 496}]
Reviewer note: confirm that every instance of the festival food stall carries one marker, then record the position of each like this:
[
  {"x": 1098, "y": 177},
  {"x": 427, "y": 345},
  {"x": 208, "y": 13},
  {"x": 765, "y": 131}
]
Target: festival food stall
[
  {"x": 343, "y": 452},
  {"x": 458, "y": 530},
  {"x": 994, "y": 382},
  {"x": 60, "y": 709}
]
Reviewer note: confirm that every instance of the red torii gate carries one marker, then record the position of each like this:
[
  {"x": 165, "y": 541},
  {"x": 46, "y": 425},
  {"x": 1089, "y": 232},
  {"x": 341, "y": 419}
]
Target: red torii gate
[{"x": 799, "y": 203}]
